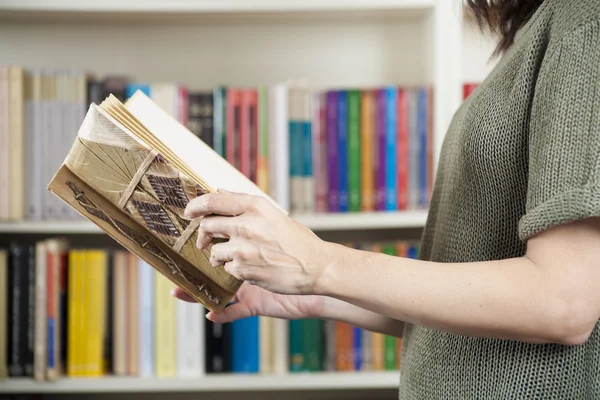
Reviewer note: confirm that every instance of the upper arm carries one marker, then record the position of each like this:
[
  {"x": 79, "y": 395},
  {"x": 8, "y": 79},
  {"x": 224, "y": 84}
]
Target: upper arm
[{"x": 561, "y": 225}]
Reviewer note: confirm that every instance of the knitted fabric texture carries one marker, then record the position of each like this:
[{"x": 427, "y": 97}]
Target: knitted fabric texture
[{"x": 522, "y": 154}]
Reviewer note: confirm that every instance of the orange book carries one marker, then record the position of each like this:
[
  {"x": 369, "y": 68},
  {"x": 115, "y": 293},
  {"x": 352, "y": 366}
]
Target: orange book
[
  {"x": 378, "y": 339},
  {"x": 367, "y": 121}
]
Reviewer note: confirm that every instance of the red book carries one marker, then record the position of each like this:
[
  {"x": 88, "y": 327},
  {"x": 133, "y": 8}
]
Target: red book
[
  {"x": 468, "y": 88},
  {"x": 402, "y": 132}
]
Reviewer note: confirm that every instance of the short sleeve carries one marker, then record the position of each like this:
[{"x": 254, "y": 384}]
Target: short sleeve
[{"x": 564, "y": 137}]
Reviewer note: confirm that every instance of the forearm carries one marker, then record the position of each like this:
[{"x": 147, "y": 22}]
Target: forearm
[
  {"x": 338, "y": 310},
  {"x": 508, "y": 299}
]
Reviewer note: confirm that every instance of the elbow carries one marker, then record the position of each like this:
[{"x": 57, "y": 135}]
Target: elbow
[{"x": 571, "y": 322}]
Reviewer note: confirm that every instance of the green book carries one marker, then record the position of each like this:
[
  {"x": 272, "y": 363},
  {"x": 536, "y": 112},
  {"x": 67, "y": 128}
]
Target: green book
[
  {"x": 296, "y": 350},
  {"x": 354, "y": 150},
  {"x": 313, "y": 345}
]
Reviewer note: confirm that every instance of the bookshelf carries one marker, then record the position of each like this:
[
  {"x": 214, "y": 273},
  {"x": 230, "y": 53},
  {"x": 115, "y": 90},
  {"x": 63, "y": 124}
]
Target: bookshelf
[
  {"x": 316, "y": 222},
  {"x": 217, "y": 383},
  {"x": 204, "y": 43}
]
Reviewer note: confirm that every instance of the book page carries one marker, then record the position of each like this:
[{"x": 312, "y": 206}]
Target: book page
[{"x": 177, "y": 140}]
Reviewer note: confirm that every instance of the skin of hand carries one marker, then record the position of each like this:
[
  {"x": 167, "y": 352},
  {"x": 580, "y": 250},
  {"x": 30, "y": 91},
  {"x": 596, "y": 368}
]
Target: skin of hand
[
  {"x": 265, "y": 247},
  {"x": 549, "y": 295}
]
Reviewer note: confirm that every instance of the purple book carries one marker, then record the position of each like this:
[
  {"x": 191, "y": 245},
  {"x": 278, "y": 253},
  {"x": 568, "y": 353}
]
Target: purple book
[
  {"x": 332, "y": 161},
  {"x": 380, "y": 151}
]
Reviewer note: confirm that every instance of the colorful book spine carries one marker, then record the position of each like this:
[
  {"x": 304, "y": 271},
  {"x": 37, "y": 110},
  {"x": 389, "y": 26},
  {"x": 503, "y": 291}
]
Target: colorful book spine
[
  {"x": 367, "y": 120},
  {"x": 332, "y": 153},
  {"x": 403, "y": 150},
  {"x": 354, "y": 125},
  {"x": 342, "y": 149},
  {"x": 381, "y": 150},
  {"x": 391, "y": 166}
]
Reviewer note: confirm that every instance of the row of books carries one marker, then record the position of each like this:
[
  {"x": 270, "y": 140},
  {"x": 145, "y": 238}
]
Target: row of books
[
  {"x": 338, "y": 150},
  {"x": 78, "y": 312}
]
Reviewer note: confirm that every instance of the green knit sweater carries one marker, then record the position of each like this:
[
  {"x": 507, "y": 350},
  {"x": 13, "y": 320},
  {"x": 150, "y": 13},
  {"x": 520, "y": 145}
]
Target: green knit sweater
[{"x": 522, "y": 154}]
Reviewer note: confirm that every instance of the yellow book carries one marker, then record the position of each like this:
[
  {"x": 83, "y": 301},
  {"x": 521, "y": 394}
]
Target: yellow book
[
  {"x": 95, "y": 285},
  {"x": 367, "y": 121},
  {"x": 74, "y": 318},
  {"x": 165, "y": 328}
]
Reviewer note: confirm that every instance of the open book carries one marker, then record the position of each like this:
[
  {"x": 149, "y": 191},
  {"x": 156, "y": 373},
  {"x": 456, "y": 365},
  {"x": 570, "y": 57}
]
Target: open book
[{"x": 131, "y": 171}]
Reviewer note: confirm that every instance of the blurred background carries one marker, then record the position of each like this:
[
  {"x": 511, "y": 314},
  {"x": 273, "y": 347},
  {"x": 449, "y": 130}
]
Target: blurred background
[{"x": 314, "y": 100}]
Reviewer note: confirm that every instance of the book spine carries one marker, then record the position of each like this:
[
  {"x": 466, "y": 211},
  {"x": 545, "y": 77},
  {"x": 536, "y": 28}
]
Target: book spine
[
  {"x": 133, "y": 305},
  {"x": 342, "y": 149},
  {"x": 253, "y": 134},
  {"x": 332, "y": 153},
  {"x": 16, "y": 117},
  {"x": 307, "y": 172},
  {"x": 218, "y": 121},
  {"x": 320, "y": 151},
  {"x": 263, "y": 140},
  {"x": 366, "y": 151},
  {"x": 430, "y": 140},
  {"x": 391, "y": 167},
  {"x": 189, "y": 340},
  {"x": 42, "y": 276},
  {"x": 4, "y": 313},
  {"x": 4, "y": 145},
  {"x": 354, "y": 150},
  {"x": 296, "y": 348},
  {"x": 422, "y": 147},
  {"x": 244, "y": 345},
  {"x": 146, "y": 314},
  {"x": 15, "y": 334},
  {"x": 245, "y": 132},
  {"x": 402, "y": 150},
  {"x": 165, "y": 329},
  {"x": 357, "y": 336},
  {"x": 218, "y": 355},
  {"x": 414, "y": 151},
  {"x": 381, "y": 150},
  {"x": 279, "y": 153},
  {"x": 296, "y": 148},
  {"x": 29, "y": 311}
]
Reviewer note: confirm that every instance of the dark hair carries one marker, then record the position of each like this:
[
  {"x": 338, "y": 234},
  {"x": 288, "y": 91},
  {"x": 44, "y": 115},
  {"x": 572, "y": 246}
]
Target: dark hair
[{"x": 502, "y": 18}]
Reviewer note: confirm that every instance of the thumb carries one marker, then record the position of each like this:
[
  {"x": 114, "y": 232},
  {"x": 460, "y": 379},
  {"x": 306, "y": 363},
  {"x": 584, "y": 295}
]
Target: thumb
[{"x": 230, "y": 314}]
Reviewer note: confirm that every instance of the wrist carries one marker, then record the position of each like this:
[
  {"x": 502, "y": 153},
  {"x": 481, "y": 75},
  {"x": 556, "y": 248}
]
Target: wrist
[{"x": 329, "y": 261}]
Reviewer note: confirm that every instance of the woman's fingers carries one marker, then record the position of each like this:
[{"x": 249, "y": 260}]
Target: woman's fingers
[
  {"x": 230, "y": 204},
  {"x": 229, "y": 314},
  {"x": 237, "y": 250},
  {"x": 178, "y": 293}
]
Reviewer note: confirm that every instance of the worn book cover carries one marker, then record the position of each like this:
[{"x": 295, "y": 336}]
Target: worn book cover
[{"x": 132, "y": 170}]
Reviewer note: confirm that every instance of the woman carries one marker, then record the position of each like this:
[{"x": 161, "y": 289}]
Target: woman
[{"x": 504, "y": 301}]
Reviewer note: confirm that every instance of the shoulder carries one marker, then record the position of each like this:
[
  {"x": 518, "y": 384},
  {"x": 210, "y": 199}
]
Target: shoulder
[{"x": 570, "y": 17}]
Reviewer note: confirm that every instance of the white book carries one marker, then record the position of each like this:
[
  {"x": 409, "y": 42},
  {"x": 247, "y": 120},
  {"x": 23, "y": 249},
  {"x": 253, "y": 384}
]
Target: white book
[
  {"x": 278, "y": 145},
  {"x": 190, "y": 340},
  {"x": 41, "y": 320},
  {"x": 146, "y": 315},
  {"x": 33, "y": 146},
  {"x": 266, "y": 345}
]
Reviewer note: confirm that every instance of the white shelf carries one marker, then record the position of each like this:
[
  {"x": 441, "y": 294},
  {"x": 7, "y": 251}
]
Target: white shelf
[
  {"x": 316, "y": 222},
  {"x": 367, "y": 220},
  {"x": 210, "y": 6},
  {"x": 216, "y": 383}
]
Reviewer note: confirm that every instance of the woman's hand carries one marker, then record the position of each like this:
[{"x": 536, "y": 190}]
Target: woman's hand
[
  {"x": 265, "y": 247},
  {"x": 253, "y": 300}
]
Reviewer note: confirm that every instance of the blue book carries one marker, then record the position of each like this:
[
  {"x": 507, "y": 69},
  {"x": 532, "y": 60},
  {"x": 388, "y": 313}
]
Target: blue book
[
  {"x": 134, "y": 87},
  {"x": 422, "y": 157},
  {"x": 391, "y": 148},
  {"x": 245, "y": 345},
  {"x": 358, "y": 348},
  {"x": 342, "y": 153}
]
